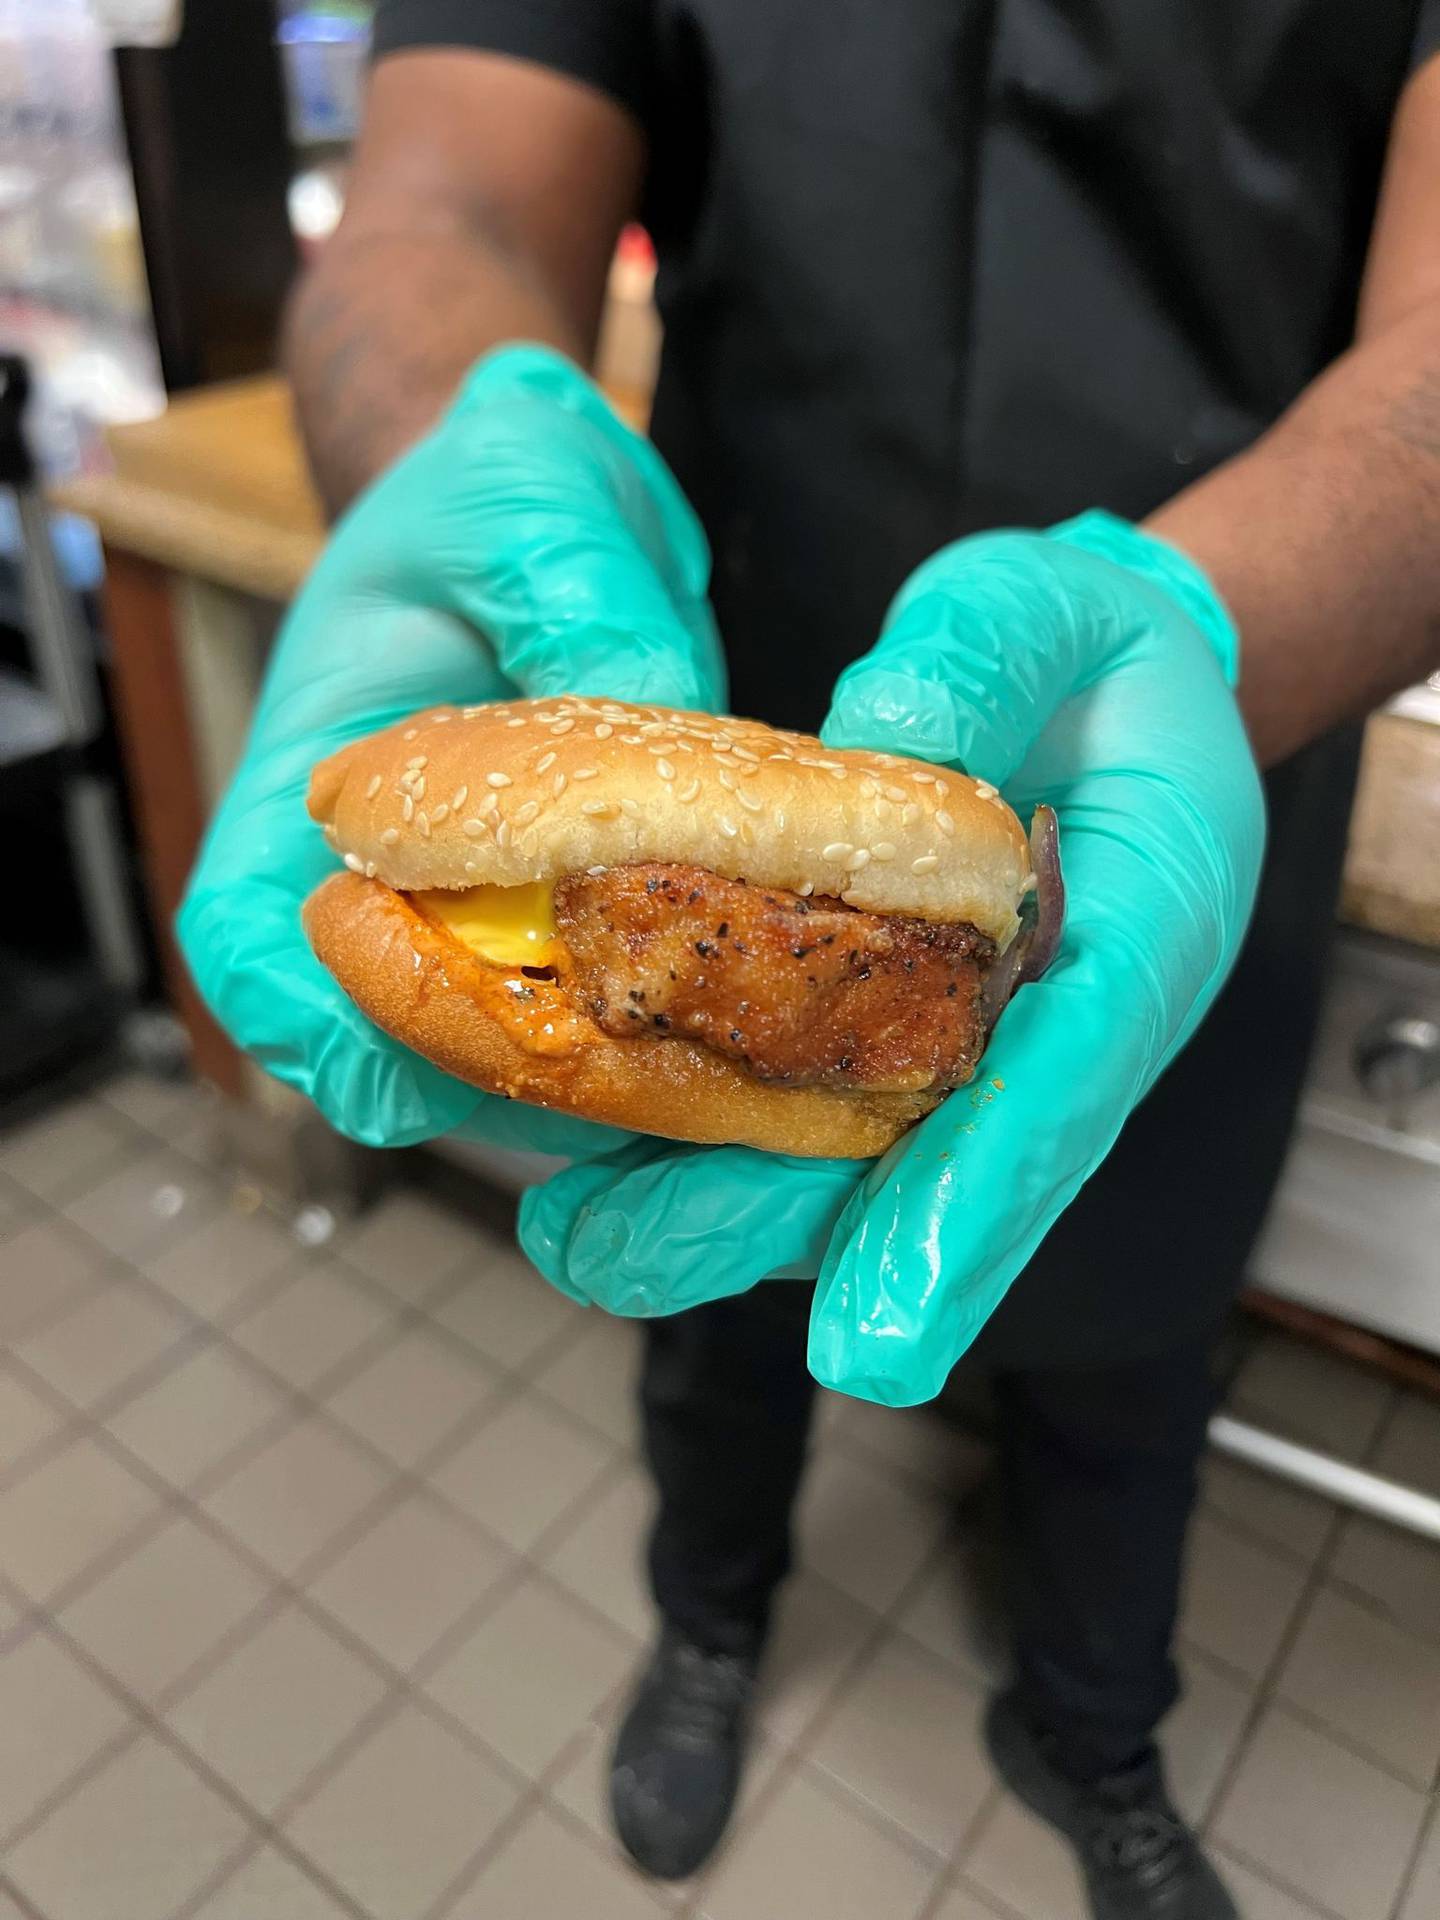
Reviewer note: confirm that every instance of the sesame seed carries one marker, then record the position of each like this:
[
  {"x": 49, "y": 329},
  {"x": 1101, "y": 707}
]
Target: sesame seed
[
  {"x": 473, "y": 829},
  {"x": 461, "y": 795},
  {"x": 354, "y": 863},
  {"x": 544, "y": 764},
  {"x": 563, "y": 726},
  {"x": 749, "y": 801},
  {"x": 631, "y": 807},
  {"x": 604, "y": 730},
  {"x": 781, "y": 755},
  {"x": 726, "y": 780},
  {"x": 747, "y": 834},
  {"x": 883, "y": 850},
  {"x": 490, "y": 804},
  {"x": 721, "y": 743},
  {"x": 897, "y": 794},
  {"x": 727, "y": 827},
  {"x": 469, "y": 713},
  {"x": 420, "y": 760},
  {"x": 370, "y": 869},
  {"x": 470, "y": 867},
  {"x": 410, "y": 733},
  {"x": 373, "y": 786},
  {"x": 909, "y": 814},
  {"x": 438, "y": 717},
  {"x": 389, "y": 836},
  {"x": 518, "y": 721},
  {"x": 524, "y": 815},
  {"x": 560, "y": 784},
  {"x": 806, "y": 891},
  {"x": 923, "y": 779},
  {"x": 836, "y": 773},
  {"x": 407, "y": 780},
  {"x": 665, "y": 769},
  {"x": 860, "y": 858},
  {"x": 437, "y": 814},
  {"x": 744, "y": 753},
  {"x": 927, "y": 863},
  {"x": 630, "y": 739},
  {"x": 498, "y": 780},
  {"x": 985, "y": 790},
  {"x": 598, "y": 809},
  {"x": 422, "y": 821},
  {"x": 592, "y": 871},
  {"x": 502, "y": 834},
  {"x": 837, "y": 850},
  {"x": 944, "y": 821},
  {"x": 687, "y": 794},
  {"x": 747, "y": 770},
  {"x": 779, "y": 819},
  {"x": 418, "y": 788},
  {"x": 584, "y": 773},
  {"x": 407, "y": 809}
]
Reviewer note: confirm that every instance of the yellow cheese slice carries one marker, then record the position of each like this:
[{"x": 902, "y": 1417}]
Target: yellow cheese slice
[{"x": 512, "y": 926}]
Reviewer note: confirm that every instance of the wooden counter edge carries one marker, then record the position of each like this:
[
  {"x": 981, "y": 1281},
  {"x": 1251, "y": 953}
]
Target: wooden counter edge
[{"x": 188, "y": 536}]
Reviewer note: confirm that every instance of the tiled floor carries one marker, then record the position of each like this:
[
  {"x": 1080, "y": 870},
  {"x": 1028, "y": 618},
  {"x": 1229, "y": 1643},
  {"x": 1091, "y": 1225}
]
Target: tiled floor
[{"x": 319, "y": 1582}]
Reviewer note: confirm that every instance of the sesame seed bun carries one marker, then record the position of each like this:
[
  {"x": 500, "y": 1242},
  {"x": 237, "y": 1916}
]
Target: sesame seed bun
[
  {"x": 411, "y": 978},
  {"x": 530, "y": 790}
]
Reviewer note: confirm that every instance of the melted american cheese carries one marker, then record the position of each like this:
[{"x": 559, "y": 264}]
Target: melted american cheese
[{"x": 511, "y": 926}]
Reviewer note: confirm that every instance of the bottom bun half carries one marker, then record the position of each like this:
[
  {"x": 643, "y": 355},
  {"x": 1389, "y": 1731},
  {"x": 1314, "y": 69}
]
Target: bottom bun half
[{"x": 524, "y": 1038}]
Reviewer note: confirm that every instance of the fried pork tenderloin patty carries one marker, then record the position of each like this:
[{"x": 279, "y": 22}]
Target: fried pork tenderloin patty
[{"x": 804, "y": 992}]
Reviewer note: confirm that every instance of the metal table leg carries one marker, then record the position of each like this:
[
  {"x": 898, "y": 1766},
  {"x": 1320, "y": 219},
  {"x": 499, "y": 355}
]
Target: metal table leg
[{"x": 1349, "y": 1485}]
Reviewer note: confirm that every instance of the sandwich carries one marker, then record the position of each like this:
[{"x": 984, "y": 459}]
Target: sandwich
[{"x": 677, "y": 923}]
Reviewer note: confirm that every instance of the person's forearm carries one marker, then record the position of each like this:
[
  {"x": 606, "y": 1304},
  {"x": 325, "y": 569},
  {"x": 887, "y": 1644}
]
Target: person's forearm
[
  {"x": 381, "y": 331},
  {"x": 1324, "y": 538}
]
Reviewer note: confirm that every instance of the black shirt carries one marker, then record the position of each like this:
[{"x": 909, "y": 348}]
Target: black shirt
[{"x": 934, "y": 265}]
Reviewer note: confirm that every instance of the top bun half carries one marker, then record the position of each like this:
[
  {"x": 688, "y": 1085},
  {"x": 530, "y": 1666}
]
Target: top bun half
[{"x": 530, "y": 790}]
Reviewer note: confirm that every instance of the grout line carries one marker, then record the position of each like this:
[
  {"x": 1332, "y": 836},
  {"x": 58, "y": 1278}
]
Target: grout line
[
  {"x": 529, "y": 1802},
  {"x": 194, "y": 1907},
  {"x": 1263, "y": 1696},
  {"x": 12, "y": 1892},
  {"x": 512, "y": 1382},
  {"x": 1429, "y": 1827},
  {"x": 1252, "y": 1864},
  {"x": 1378, "y": 1610},
  {"x": 1317, "y": 1723},
  {"x": 94, "y": 1763}
]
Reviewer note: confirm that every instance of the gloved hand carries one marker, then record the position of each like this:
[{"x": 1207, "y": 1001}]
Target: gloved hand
[
  {"x": 1086, "y": 668},
  {"x": 530, "y": 542}
]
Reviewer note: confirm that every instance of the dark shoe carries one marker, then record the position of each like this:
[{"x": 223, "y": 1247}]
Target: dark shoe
[
  {"x": 1139, "y": 1859},
  {"x": 676, "y": 1765}
]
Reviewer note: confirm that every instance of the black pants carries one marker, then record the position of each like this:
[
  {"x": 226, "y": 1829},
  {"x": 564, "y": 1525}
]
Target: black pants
[{"x": 1098, "y": 1470}]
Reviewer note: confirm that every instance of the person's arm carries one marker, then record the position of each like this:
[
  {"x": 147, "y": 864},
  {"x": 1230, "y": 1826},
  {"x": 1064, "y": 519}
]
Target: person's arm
[
  {"x": 484, "y": 204},
  {"x": 1324, "y": 537}
]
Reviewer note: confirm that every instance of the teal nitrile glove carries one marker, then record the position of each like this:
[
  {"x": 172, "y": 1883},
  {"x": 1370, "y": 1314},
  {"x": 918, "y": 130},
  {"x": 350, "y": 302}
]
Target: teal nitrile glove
[
  {"x": 529, "y": 542},
  {"x": 1090, "y": 668}
]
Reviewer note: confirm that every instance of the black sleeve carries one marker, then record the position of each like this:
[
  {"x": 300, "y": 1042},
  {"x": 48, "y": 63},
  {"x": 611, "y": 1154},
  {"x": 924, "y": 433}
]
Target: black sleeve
[
  {"x": 605, "y": 43},
  {"x": 1427, "y": 33}
]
